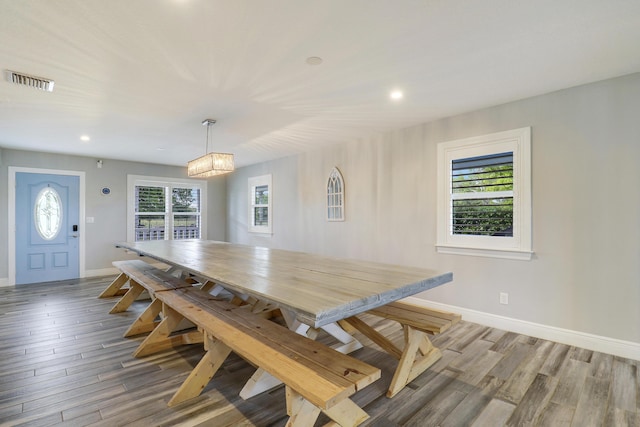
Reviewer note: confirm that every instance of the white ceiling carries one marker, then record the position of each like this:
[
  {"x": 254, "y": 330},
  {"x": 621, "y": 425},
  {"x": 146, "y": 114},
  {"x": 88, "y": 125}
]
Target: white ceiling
[{"x": 139, "y": 76}]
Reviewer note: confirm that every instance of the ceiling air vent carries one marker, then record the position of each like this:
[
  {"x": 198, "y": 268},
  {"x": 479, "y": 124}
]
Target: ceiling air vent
[{"x": 31, "y": 81}]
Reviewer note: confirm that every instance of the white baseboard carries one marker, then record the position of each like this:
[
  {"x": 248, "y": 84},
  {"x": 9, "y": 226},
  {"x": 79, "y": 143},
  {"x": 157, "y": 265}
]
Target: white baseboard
[
  {"x": 110, "y": 271},
  {"x": 627, "y": 349},
  {"x": 4, "y": 281},
  {"x": 101, "y": 272}
]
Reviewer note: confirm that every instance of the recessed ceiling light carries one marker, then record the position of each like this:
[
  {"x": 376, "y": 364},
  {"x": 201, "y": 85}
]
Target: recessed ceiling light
[
  {"x": 396, "y": 94},
  {"x": 85, "y": 138},
  {"x": 314, "y": 60}
]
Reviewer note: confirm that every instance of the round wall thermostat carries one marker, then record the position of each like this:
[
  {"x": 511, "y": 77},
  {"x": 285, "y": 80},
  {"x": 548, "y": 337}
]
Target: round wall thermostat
[{"x": 106, "y": 191}]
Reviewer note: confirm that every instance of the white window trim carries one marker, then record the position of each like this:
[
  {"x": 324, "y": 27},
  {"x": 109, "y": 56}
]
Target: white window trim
[
  {"x": 337, "y": 175},
  {"x": 254, "y": 182},
  {"x": 153, "y": 181},
  {"x": 519, "y": 246}
]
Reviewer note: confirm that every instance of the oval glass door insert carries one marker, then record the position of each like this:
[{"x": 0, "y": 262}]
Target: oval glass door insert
[{"x": 48, "y": 213}]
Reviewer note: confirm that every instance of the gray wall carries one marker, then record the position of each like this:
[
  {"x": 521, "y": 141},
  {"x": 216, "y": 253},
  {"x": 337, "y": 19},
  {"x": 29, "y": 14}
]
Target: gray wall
[
  {"x": 585, "y": 274},
  {"x": 109, "y": 211}
]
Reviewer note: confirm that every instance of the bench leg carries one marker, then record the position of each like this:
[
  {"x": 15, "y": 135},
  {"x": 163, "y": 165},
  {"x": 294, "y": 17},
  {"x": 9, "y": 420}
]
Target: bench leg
[
  {"x": 159, "y": 338},
  {"x": 374, "y": 336},
  {"x": 114, "y": 288},
  {"x": 146, "y": 321},
  {"x": 346, "y": 413},
  {"x": 350, "y": 344},
  {"x": 303, "y": 413},
  {"x": 200, "y": 376},
  {"x": 211, "y": 287},
  {"x": 262, "y": 381},
  {"x": 259, "y": 382},
  {"x": 134, "y": 292},
  {"x": 418, "y": 354}
]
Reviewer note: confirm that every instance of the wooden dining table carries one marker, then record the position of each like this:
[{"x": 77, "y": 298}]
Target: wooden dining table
[
  {"x": 313, "y": 292},
  {"x": 319, "y": 290}
]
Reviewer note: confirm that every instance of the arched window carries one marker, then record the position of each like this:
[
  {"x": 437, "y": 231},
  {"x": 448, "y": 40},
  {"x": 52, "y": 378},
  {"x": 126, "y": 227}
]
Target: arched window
[{"x": 335, "y": 196}]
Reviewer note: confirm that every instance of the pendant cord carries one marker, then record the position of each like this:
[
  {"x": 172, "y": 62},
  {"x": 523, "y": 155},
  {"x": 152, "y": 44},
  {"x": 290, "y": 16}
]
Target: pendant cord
[{"x": 206, "y": 147}]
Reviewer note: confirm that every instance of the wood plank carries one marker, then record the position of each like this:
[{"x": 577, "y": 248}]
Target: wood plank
[
  {"x": 374, "y": 336},
  {"x": 408, "y": 401},
  {"x": 623, "y": 387},
  {"x": 592, "y": 405},
  {"x": 559, "y": 353},
  {"x": 200, "y": 376},
  {"x": 533, "y": 402},
  {"x": 556, "y": 415},
  {"x": 471, "y": 351},
  {"x": 571, "y": 383},
  {"x": 417, "y": 356},
  {"x": 425, "y": 322},
  {"x": 473, "y": 403},
  {"x": 135, "y": 290},
  {"x": 114, "y": 287},
  {"x": 515, "y": 387},
  {"x": 437, "y": 409},
  {"x": 504, "y": 344},
  {"x": 510, "y": 361},
  {"x": 496, "y": 413},
  {"x": 601, "y": 365}
]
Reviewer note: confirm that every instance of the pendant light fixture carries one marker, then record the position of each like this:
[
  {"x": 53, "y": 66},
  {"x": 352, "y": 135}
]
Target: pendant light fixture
[{"x": 210, "y": 164}]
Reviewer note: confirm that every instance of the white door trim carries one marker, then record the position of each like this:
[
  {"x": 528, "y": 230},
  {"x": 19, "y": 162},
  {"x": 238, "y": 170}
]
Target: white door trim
[{"x": 11, "y": 249}]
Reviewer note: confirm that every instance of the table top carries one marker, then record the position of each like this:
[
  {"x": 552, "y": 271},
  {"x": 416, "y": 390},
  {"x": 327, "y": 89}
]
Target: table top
[{"x": 318, "y": 289}]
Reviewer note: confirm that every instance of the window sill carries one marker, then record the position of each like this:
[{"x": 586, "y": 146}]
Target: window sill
[
  {"x": 262, "y": 232},
  {"x": 484, "y": 252}
]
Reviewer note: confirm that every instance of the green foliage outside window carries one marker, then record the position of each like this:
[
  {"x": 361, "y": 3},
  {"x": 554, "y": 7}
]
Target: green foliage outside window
[{"x": 484, "y": 215}]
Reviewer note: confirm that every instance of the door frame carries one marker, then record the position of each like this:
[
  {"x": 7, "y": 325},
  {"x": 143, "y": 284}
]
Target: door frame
[{"x": 11, "y": 250}]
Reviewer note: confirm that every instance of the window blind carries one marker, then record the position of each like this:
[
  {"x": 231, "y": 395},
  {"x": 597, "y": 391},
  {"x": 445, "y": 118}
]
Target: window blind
[{"x": 482, "y": 195}]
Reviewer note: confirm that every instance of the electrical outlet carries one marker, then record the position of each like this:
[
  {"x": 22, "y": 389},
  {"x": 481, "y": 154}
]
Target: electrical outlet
[{"x": 504, "y": 298}]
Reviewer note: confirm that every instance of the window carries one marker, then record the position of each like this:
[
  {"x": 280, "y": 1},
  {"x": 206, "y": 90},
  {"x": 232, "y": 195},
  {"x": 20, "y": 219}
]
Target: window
[
  {"x": 165, "y": 209},
  {"x": 260, "y": 208},
  {"x": 48, "y": 213},
  {"x": 335, "y": 196},
  {"x": 484, "y": 195}
]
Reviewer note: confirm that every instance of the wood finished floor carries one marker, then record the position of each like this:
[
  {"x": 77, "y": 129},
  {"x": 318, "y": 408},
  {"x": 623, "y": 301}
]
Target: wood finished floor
[{"x": 63, "y": 362}]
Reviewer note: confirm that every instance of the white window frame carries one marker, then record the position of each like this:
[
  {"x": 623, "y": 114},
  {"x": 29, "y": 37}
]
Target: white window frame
[
  {"x": 519, "y": 245},
  {"x": 335, "y": 199},
  {"x": 169, "y": 184},
  {"x": 258, "y": 181}
]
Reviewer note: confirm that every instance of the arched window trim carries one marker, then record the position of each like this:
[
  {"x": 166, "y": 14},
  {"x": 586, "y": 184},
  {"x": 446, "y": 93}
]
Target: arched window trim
[{"x": 335, "y": 196}]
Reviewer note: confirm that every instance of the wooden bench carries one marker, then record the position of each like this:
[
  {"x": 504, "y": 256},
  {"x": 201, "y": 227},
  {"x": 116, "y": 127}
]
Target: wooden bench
[
  {"x": 136, "y": 272},
  {"x": 317, "y": 378},
  {"x": 141, "y": 276},
  {"x": 418, "y": 353}
]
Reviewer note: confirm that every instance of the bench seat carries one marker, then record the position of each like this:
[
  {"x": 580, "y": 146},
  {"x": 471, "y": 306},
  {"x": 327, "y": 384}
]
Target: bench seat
[
  {"x": 140, "y": 276},
  {"x": 317, "y": 378},
  {"x": 426, "y": 319}
]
